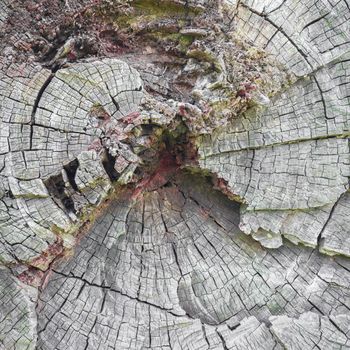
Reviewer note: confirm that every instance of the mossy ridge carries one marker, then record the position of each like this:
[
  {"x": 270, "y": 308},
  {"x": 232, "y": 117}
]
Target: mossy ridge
[
  {"x": 149, "y": 10},
  {"x": 205, "y": 56},
  {"x": 100, "y": 181},
  {"x": 161, "y": 8},
  {"x": 182, "y": 41},
  {"x": 146, "y": 12}
]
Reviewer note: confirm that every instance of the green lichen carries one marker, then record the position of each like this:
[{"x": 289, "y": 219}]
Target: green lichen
[
  {"x": 274, "y": 307},
  {"x": 69, "y": 75},
  {"x": 330, "y": 252},
  {"x": 127, "y": 175},
  {"x": 295, "y": 240}
]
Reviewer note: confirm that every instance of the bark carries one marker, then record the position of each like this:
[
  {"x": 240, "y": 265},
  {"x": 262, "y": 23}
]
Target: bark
[{"x": 174, "y": 174}]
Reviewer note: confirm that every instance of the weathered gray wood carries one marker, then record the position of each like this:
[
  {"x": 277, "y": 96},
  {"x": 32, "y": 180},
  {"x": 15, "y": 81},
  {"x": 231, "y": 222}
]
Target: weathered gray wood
[
  {"x": 172, "y": 259},
  {"x": 191, "y": 191},
  {"x": 311, "y": 330},
  {"x": 17, "y": 313},
  {"x": 269, "y": 158}
]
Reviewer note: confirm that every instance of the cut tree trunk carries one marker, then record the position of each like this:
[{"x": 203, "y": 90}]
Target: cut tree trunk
[{"x": 174, "y": 174}]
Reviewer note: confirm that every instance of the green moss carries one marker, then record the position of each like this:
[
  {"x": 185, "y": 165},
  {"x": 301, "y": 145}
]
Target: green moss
[
  {"x": 218, "y": 85},
  {"x": 205, "y": 56},
  {"x": 57, "y": 230},
  {"x": 159, "y": 8},
  {"x": 219, "y": 107},
  {"x": 198, "y": 171},
  {"x": 151, "y": 10},
  {"x": 100, "y": 181},
  {"x": 201, "y": 55},
  {"x": 183, "y": 41},
  {"x": 31, "y": 196}
]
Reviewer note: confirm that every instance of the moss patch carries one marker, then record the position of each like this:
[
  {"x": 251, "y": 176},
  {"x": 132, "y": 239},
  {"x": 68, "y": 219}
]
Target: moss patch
[{"x": 159, "y": 8}]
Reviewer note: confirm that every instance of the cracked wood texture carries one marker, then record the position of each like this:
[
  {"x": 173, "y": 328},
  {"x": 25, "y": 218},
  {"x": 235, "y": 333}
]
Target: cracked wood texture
[{"x": 174, "y": 174}]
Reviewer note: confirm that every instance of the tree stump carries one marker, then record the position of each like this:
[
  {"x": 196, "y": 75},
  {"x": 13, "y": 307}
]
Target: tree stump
[{"x": 174, "y": 174}]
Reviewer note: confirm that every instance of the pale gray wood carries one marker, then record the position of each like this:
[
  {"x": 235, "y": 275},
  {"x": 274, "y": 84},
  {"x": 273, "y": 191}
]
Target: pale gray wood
[{"x": 225, "y": 165}]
